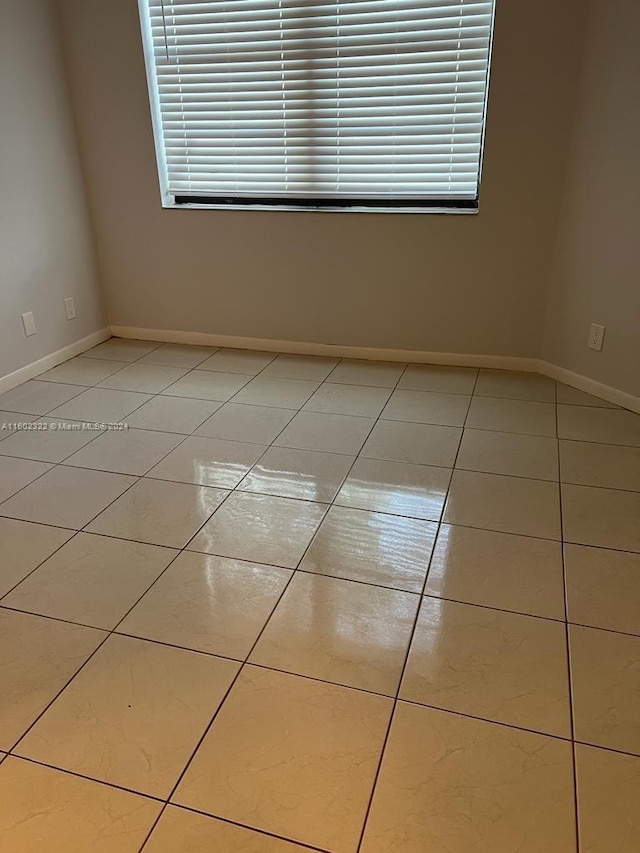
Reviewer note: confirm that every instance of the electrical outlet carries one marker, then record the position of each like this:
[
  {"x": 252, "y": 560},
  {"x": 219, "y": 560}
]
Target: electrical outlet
[
  {"x": 70, "y": 308},
  {"x": 29, "y": 323},
  {"x": 596, "y": 337}
]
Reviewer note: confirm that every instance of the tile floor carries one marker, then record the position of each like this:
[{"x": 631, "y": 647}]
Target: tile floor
[{"x": 316, "y": 604}]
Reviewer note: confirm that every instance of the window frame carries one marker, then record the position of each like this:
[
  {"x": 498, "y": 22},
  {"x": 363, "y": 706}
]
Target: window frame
[{"x": 176, "y": 201}]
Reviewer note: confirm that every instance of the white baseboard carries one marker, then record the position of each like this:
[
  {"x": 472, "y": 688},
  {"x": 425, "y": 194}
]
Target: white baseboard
[
  {"x": 590, "y": 386},
  {"x": 503, "y": 362},
  {"x": 23, "y": 374}
]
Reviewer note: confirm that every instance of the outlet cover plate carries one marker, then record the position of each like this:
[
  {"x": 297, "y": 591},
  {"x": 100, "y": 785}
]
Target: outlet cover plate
[
  {"x": 596, "y": 336},
  {"x": 29, "y": 323},
  {"x": 70, "y": 308}
]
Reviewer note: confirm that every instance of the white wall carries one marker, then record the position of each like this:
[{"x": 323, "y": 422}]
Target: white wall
[
  {"x": 46, "y": 249},
  {"x": 596, "y": 270},
  {"x": 449, "y": 283}
]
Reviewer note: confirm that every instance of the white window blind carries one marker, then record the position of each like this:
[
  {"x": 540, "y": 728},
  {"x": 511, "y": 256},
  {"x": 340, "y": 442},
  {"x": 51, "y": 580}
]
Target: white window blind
[{"x": 314, "y": 103}]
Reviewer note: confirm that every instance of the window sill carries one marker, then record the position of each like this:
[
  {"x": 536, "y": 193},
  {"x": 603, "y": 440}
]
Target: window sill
[{"x": 173, "y": 205}]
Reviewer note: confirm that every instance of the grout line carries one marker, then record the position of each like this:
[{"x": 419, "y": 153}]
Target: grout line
[
  {"x": 568, "y": 652},
  {"x": 79, "y": 775},
  {"x": 253, "y": 829},
  {"x": 410, "y": 643},
  {"x": 396, "y": 589},
  {"x": 15, "y": 609},
  {"x": 300, "y": 500},
  {"x": 158, "y": 344}
]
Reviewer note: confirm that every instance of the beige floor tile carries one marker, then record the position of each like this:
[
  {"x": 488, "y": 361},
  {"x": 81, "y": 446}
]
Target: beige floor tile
[
  {"x": 66, "y": 497},
  {"x": 48, "y": 440},
  {"x": 460, "y": 785},
  {"x": 291, "y": 756},
  {"x": 310, "y": 367},
  {"x": 260, "y": 528},
  {"x": 516, "y": 385},
  {"x": 93, "y": 580},
  {"x": 16, "y": 473},
  {"x": 399, "y": 488},
  {"x": 238, "y": 422},
  {"x": 434, "y": 377},
  {"x": 82, "y": 371},
  {"x": 208, "y": 462},
  {"x": 11, "y": 422},
  {"x": 178, "y": 355},
  {"x": 608, "y": 797},
  {"x": 283, "y": 759},
  {"x": 340, "y": 631},
  {"x": 209, "y": 604},
  {"x": 42, "y": 809},
  {"x": 276, "y": 393},
  {"x": 603, "y": 588},
  {"x": 573, "y": 397},
  {"x": 124, "y": 349},
  {"x": 132, "y": 451},
  {"x": 159, "y": 513},
  {"x": 606, "y": 688},
  {"x": 324, "y": 432},
  {"x": 361, "y": 400},
  {"x": 504, "y": 504},
  {"x": 149, "y": 378},
  {"x": 101, "y": 405},
  {"x": 387, "y": 550},
  {"x": 427, "y": 407},
  {"x": 422, "y": 444},
  {"x": 519, "y": 416},
  {"x": 37, "y": 658},
  {"x": 133, "y": 715},
  {"x": 500, "y": 666},
  {"x": 173, "y": 414},
  {"x": 516, "y": 573},
  {"x": 604, "y": 517},
  {"x": 531, "y": 456},
  {"x": 378, "y": 374},
  {"x": 38, "y": 398},
  {"x": 608, "y": 426},
  {"x": 304, "y": 474},
  {"x": 238, "y": 361},
  {"x": 609, "y": 465},
  {"x": 207, "y": 385},
  {"x": 23, "y": 547},
  {"x": 181, "y": 831}
]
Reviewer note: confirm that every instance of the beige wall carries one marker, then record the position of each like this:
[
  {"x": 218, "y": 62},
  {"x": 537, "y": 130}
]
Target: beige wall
[
  {"x": 449, "y": 283},
  {"x": 46, "y": 252},
  {"x": 596, "y": 271}
]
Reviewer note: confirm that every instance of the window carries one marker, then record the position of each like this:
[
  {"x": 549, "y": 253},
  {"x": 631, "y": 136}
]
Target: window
[{"x": 365, "y": 104}]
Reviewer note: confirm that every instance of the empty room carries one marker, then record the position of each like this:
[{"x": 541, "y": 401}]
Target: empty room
[{"x": 319, "y": 426}]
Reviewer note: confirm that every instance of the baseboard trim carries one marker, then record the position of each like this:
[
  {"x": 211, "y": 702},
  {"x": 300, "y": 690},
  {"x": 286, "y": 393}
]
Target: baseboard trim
[
  {"x": 29, "y": 371},
  {"x": 502, "y": 362},
  {"x": 590, "y": 386}
]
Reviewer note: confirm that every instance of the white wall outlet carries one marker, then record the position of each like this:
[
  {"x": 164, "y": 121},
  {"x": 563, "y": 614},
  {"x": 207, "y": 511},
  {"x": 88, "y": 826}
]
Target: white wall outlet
[
  {"x": 70, "y": 308},
  {"x": 596, "y": 337},
  {"x": 29, "y": 323}
]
